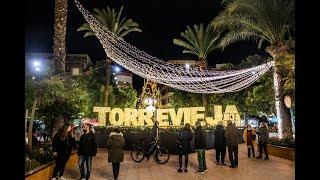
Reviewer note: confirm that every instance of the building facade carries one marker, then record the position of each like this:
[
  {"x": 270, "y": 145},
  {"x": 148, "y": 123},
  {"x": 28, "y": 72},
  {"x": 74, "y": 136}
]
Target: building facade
[
  {"x": 75, "y": 64},
  {"x": 121, "y": 76}
]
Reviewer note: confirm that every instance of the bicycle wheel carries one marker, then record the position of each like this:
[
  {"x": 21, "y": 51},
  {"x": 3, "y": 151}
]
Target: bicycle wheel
[
  {"x": 162, "y": 155},
  {"x": 137, "y": 154}
]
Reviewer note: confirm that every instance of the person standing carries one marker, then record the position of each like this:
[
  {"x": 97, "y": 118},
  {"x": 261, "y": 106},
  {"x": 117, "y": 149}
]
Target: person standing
[
  {"x": 232, "y": 139},
  {"x": 155, "y": 130},
  {"x": 87, "y": 148},
  {"x": 263, "y": 140},
  {"x": 61, "y": 148},
  {"x": 184, "y": 146},
  {"x": 249, "y": 137},
  {"x": 220, "y": 144},
  {"x": 200, "y": 145},
  {"x": 115, "y": 145}
]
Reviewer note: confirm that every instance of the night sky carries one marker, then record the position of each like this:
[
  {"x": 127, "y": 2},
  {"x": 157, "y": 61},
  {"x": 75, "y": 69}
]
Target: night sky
[{"x": 160, "y": 21}]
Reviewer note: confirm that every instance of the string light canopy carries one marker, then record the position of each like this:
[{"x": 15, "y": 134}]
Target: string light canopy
[{"x": 191, "y": 79}]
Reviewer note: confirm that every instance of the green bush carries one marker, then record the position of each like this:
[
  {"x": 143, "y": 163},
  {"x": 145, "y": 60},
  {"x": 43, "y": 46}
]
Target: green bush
[
  {"x": 285, "y": 142},
  {"x": 30, "y": 164},
  {"x": 38, "y": 156}
]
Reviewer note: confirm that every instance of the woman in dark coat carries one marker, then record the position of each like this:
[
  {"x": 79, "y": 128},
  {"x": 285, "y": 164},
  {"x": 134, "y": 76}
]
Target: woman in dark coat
[
  {"x": 62, "y": 145},
  {"x": 184, "y": 146},
  {"x": 220, "y": 144},
  {"x": 115, "y": 145}
]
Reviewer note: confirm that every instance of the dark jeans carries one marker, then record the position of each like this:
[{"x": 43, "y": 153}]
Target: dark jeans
[
  {"x": 88, "y": 161},
  {"x": 115, "y": 168},
  {"x": 263, "y": 146},
  {"x": 233, "y": 155},
  {"x": 185, "y": 160},
  {"x": 61, "y": 161},
  {"x": 249, "y": 151},
  {"x": 220, "y": 152}
]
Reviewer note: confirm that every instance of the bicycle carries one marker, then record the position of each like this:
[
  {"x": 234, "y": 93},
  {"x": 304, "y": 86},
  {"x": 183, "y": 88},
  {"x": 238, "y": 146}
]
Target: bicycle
[{"x": 161, "y": 154}]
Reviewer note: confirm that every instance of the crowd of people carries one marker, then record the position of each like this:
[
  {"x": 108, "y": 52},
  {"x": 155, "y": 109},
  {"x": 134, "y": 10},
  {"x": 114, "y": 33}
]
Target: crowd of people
[
  {"x": 82, "y": 140},
  {"x": 224, "y": 138}
]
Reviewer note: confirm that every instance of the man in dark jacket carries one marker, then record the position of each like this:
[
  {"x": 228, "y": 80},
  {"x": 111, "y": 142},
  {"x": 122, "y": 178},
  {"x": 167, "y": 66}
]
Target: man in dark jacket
[
  {"x": 220, "y": 143},
  {"x": 263, "y": 140},
  {"x": 200, "y": 146},
  {"x": 232, "y": 139},
  {"x": 87, "y": 148}
]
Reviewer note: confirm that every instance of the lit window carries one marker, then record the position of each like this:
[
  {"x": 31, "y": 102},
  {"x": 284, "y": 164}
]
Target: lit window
[{"x": 75, "y": 71}]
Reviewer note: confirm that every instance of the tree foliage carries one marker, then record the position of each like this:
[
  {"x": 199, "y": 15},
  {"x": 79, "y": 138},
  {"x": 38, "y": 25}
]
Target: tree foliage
[
  {"x": 123, "y": 97},
  {"x": 198, "y": 41},
  {"x": 113, "y": 21}
]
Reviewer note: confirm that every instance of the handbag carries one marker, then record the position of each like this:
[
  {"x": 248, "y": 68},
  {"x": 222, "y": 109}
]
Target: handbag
[{"x": 254, "y": 137}]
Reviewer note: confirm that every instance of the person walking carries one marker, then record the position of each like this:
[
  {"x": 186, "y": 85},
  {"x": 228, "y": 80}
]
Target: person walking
[
  {"x": 232, "y": 139},
  {"x": 263, "y": 140},
  {"x": 87, "y": 148},
  {"x": 62, "y": 145},
  {"x": 200, "y": 145},
  {"x": 249, "y": 137},
  {"x": 184, "y": 146},
  {"x": 115, "y": 145},
  {"x": 220, "y": 144}
]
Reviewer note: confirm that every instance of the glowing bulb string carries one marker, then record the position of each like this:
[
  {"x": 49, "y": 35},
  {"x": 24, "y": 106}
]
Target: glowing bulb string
[{"x": 187, "y": 79}]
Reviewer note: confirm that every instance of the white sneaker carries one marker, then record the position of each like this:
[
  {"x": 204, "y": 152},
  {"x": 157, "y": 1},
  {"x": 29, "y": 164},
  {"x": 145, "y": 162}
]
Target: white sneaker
[
  {"x": 83, "y": 179},
  {"x": 62, "y": 178},
  {"x": 54, "y": 179}
]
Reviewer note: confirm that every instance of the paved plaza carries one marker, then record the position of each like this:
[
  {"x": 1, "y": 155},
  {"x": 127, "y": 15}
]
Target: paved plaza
[{"x": 249, "y": 169}]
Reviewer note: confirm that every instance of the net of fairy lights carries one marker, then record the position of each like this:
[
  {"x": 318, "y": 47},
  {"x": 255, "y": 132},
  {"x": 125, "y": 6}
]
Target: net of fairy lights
[{"x": 192, "y": 79}]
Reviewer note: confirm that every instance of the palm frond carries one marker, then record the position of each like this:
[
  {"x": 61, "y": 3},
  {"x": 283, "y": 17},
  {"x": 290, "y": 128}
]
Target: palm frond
[
  {"x": 197, "y": 40},
  {"x": 113, "y": 21},
  {"x": 267, "y": 19}
]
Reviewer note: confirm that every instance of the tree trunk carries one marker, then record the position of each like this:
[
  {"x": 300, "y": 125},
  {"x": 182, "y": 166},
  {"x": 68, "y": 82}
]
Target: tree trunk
[
  {"x": 282, "y": 112},
  {"x": 205, "y": 104},
  {"x": 107, "y": 82},
  {"x": 60, "y": 28},
  {"x": 203, "y": 65},
  {"x": 34, "y": 105},
  {"x": 26, "y": 120}
]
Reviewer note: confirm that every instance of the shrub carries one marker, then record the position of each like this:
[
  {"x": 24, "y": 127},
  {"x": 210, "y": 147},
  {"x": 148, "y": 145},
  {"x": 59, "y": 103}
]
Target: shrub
[
  {"x": 30, "y": 164},
  {"x": 38, "y": 156},
  {"x": 285, "y": 142}
]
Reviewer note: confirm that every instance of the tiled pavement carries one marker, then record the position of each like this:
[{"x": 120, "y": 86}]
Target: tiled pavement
[{"x": 248, "y": 169}]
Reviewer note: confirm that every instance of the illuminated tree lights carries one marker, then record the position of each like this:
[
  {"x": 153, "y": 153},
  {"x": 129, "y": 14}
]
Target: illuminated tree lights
[{"x": 190, "y": 79}]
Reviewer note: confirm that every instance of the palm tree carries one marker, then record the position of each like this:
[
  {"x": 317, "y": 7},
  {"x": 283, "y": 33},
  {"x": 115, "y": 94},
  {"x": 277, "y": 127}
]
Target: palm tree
[
  {"x": 119, "y": 26},
  {"x": 60, "y": 28},
  {"x": 267, "y": 20},
  {"x": 200, "y": 42}
]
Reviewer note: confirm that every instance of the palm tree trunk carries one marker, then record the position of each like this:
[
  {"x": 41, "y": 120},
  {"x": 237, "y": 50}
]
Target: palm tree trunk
[
  {"x": 203, "y": 65},
  {"x": 60, "y": 28},
  {"x": 107, "y": 82},
  {"x": 34, "y": 105},
  {"x": 205, "y": 104},
  {"x": 282, "y": 112}
]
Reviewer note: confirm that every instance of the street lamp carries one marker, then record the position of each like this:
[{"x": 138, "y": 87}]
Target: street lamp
[
  {"x": 187, "y": 66},
  {"x": 117, "y": 69}
]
